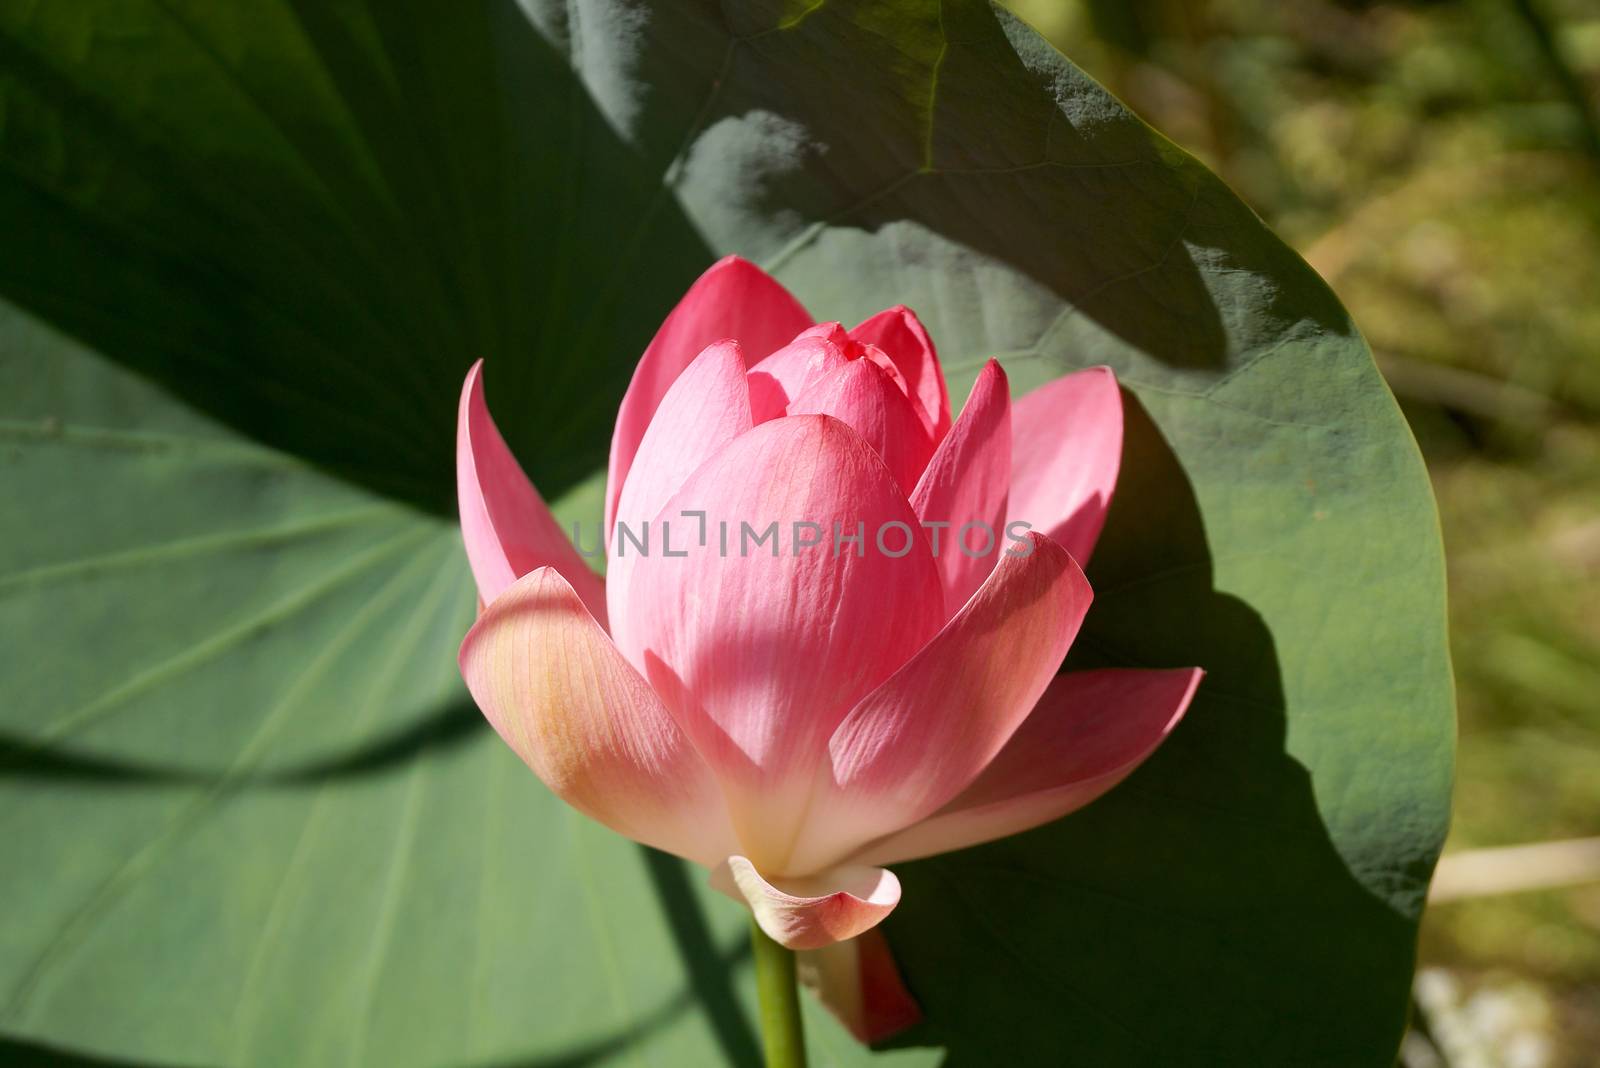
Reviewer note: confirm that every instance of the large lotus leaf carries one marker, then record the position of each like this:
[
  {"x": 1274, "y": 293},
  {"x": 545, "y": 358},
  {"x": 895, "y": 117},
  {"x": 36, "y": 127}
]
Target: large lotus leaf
[{"x": 249, "y": 250}]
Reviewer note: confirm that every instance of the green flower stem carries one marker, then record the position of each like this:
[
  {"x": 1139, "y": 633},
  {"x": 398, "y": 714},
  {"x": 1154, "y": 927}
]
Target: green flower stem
[{"x": 782, "y": 1036}]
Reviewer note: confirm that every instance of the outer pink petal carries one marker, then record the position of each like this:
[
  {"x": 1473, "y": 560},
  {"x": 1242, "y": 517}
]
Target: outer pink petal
[
  {"x": 813, "y": 912},
  {"x": 506, "y": 525},
  {"x": 1089, "y": 732},
  {"x": 760, "y": 655},
  {"x": 966, "y": 482},
  {"x": 702, "y": 412},
  {"x": 860, "y": 983},
  {"x": 733, "y": 299},
  {"x": 1066, "y": 447},
  {"x": 926, "y": 733},
  {"x": 790, "y": 371},
  {"x": 900, "y": 334},
  {"x": 863, "y": 395},
  {"x": 556, "y": 689},
  {"x": 705, "y": 409}
]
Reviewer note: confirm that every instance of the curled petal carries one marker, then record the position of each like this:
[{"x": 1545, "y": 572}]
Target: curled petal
[
  {"x": 733, "y": 299},
  {"x": 900, "y": 334},
  {"x": 1090, "y": 730},
  {"x": 859, "y": 982},
  {"x": 812, "y": 912},
  {"x": 507, "y": 527},
  {"x": 1066, "y": 447},
  {"x": 556, "y": 689},
  {"x": 924, "y": 735},
  {"x": 966, "y": 483},
  {"x": 864, "y": 396}
]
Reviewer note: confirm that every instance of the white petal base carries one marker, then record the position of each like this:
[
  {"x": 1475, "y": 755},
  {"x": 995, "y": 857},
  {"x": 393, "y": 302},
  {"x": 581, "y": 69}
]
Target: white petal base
[{"x": 815, "y": 911}]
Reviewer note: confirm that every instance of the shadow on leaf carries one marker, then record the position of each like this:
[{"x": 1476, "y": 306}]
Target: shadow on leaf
[
  {"x": 317, "y": 269},
  {"x": 458, "y": 723},
  {"x": 1204, "y": 892}
]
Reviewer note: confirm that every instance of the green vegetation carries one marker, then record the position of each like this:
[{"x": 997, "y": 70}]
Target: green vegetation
[
  {"x": 1439, "y": 164},
  {"x": 250, "y": 815}
]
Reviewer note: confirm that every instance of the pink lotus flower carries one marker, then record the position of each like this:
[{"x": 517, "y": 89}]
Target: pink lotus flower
[{"x": 796, "y": 717}]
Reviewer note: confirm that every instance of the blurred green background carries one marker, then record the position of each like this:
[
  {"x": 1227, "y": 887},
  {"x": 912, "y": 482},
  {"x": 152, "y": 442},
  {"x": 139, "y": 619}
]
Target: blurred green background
[{"x": 1439, "y": 164}]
